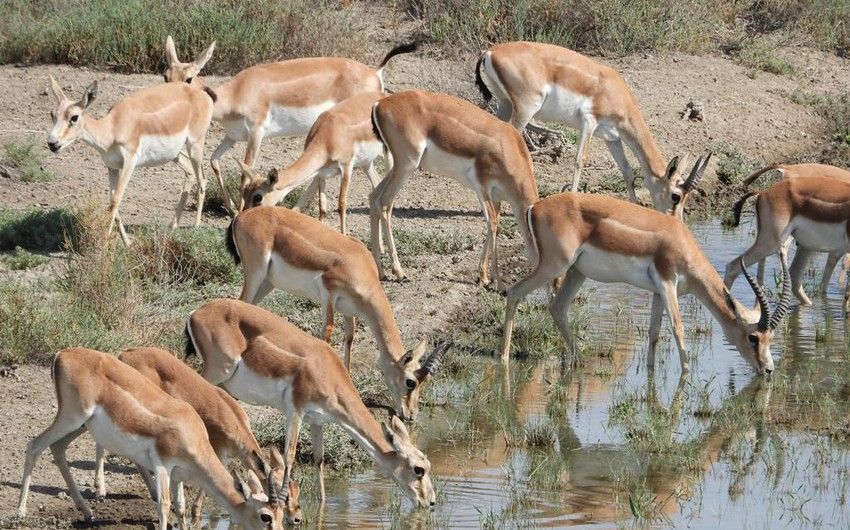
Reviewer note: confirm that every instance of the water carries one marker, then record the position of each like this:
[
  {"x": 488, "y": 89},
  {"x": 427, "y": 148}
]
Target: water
[{"x": 763, "y": 457}]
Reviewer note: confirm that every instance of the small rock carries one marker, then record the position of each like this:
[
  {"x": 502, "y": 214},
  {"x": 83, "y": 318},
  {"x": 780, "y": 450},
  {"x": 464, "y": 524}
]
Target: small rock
[
  {"x": 693, "y": 111},
  {"x": 61, "y": 495}
]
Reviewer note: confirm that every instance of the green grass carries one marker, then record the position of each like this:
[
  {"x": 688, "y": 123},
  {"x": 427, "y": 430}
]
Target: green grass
[
  {"x": 416, "y": 243},
  {"x": 734, "y": 164},
  {"x": 760, "y": 54},
  {"x": 20, "y": 260},
  {"x": 36, "y": 230},
  {"x": 27, "y": 156},
  {"x": 129, "y": 35}
]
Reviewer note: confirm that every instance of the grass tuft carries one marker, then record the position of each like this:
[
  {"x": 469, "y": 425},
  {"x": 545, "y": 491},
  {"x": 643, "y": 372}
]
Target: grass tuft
[
  {"x": 36, "y": 230},
  {"x": 27, "y": 157},
  {"x": 20, "y": 260}
]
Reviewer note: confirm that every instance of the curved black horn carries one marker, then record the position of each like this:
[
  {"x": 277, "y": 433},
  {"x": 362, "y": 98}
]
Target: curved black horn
[
  {"x": 785, "y": 297},
  {"x": 274, "y": 492},
  {"x": 432, "y": 363},
  {"x": 372, "y": 403},
  {"x": 697, "y": 172},
  {"x": 760, "y": 296}
]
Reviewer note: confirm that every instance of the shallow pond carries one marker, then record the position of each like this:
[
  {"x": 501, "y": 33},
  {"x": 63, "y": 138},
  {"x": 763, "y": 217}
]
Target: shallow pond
[{"x": 600, "y": 446}]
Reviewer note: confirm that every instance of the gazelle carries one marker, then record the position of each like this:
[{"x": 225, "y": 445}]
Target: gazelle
[
  {"x": 151, "y": 127},
  {"x": 293, "y": 252},
  {"x": 803, "y": 171},
  {"x": 454, "y": 138},
  {"x": 550, "y": 83},
  {"x": 680, "y": 189},
  {"x": 814, "y": 210},
  {"x": 131, "y": 416},
  {"x": 340, "y": 141},
  {"x": 227, "y": 425},
  {"x": 609, "y": 240},
  {"x": 278, "y": 99},
  {"x": 260, "y": 358}
]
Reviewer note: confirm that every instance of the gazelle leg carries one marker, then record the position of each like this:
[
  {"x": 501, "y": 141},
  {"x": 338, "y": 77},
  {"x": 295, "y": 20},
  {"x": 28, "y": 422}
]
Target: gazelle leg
[
  {"x": 828, "y": 268},
  {"x": 521, "y": 113},
  {"x": 59, "y": 449},
  {"x": 118, "y": 192},
  {"x": 560, "y": 307},
  {"x": 148, "y": 479},
  {"x": 163, "y": 495},
  {"x": 669, "y": 297},
  {"x": 656, "y": 315},
  {"x": 226, "y": 145},
  {"x": 319, "y": 455},
  {"x": 762, "y": 248},
  {"x": 619, "y": 154},
  {"x": 349, "y": 340},
  {"x": 306, "y": 197},
  {"x": 189, "y": 178},
  {"x": 328, "y": 317},
  {"x": 255, "y": 138},
  {"x": 797, "y": 271},
  {"x": 198, "y": 508},
  {"x": 99, "y": 481},
  {"x": 293, "y": 427},
  {"x": 588, "y": 127},
  {"x": 374, "y": 180},
  {"x": 516, "y": 294},
  {"x": 489, "y": 255},
  {"x": 64, "y": 425},
  {"x": 196, "y": 156},
  {"x": 113, "y": 183},
  {"x": 344, "y": 184},
  {"x": 380, "y": 213},
  {"x": 179, "y": 502},
  {"x": 323, "y": 198}
]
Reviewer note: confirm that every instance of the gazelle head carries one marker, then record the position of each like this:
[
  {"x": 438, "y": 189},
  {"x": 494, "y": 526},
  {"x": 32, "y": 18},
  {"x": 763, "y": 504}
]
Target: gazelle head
[
  {"x": 412, "y": 374},
  {"x": 753, "y": 336},
  {"x": 177, "y": 72},
  {"x": 409, "y": 467},
  {"x": 258, "y": 514},
  {"x": 68, "y": 117},
  {"x": 287, "y": 494},
  {"x": 255, "y": 187},
  {"x": 681, "y": 187}
]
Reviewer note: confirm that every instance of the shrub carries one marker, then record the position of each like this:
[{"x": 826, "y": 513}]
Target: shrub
[
  {"x": 197, "y": 256},
  {"x": 21, "y": 259},
  {"x": 129, "y": 35},
  {"x": 36, "y": 230},
  {"x": 27, "y": 157},
  {"x": 760, "y": 54}
]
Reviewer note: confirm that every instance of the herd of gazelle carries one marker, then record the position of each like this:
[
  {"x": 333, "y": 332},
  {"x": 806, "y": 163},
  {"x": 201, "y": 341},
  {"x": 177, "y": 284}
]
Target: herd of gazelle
[{"x": 178, "y": 426}]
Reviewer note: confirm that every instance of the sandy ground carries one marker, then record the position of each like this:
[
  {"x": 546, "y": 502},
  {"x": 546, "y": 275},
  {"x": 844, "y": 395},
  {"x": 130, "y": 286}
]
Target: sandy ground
[{"x": 755, "y": 114}]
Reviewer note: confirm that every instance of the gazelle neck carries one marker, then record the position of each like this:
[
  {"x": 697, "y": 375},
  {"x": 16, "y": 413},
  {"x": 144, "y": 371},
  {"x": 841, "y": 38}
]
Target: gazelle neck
[
  {"x": 652, "y": 162},
  {"x": 213, "y": 477},
  {"x": 302, "y": 170},
  {"x": 97, "y": 132},
  {"x": 353, "y": 416},
  {"x": 709, "y": 289},
  {"x": 383, "y": 325}
]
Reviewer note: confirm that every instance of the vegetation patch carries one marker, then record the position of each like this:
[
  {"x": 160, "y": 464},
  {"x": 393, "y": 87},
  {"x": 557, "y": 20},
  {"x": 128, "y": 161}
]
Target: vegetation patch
[
  {"x": 129, "y": 35},
  {"x": 36, "y": 230},
  {"x": 760, "y": 54},
  {"x": 20, "y": 260},
  {"x": 27, "y": 157}
]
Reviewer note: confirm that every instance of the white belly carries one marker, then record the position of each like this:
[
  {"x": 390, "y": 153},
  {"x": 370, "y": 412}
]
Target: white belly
[
  {"x": 293, "y": 121},
  {"x": 441, "y": 162},
  {"x": 159, "y": 150},
  {"x": 250, "y": 387},
  {"x": 366, "y": 152},
  {"x": 608, "y": 267},
  {"x": 563, "y": 106},
  {"x": 137, "y": 448},
  {"x": 819, "y": 236},
  {"x": 302, "y": 282}
]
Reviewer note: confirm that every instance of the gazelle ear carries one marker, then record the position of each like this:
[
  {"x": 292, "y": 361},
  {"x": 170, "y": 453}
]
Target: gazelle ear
[
  {"x": 241, "y": 487},
  {"x": 273, "y": 176},
  {"x": 204, "y": 57},
  {"x": 416, "y": 353},
  {"x": 388, "y": 434},
  {"x": 58, "y": 93},
  {"x": 276, "y": 457},
  {"x": 672, "y": 167},
  {"x": 88, "y": 95},
  {"x": 170, "y": 51}
]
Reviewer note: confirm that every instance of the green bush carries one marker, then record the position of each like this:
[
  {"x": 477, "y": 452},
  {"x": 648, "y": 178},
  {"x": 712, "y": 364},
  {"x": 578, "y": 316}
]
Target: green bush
[
  {"x": 36, "y": 230},
  {"x": 197, "y": 256},
  {"x": 129, "y": 35},
  {"x": 27, "y": 157}
]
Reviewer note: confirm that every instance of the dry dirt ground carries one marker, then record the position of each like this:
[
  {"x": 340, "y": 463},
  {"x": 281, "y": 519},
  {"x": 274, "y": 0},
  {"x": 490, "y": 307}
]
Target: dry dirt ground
[{"x": 756, "y": 115}]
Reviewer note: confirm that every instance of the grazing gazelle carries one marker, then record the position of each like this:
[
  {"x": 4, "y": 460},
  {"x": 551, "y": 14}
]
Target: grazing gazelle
[
  {"x": 278, "y": 99},
  {"x": 260, "y": 358},
  {"x": 132, "y": 417},
  {"x": 610, "y": 240},
  {"x": 151, "y": 127},
  {"x": 340, "y": 141},
  {"x": 814, "y": 210},
  {"x": 803, "y": 171},
  {"x": 550, "y": 83},
  {"x": 227, "y": 424},
  {"x": 452, "y": 137},
  {"x": 682, "y": 188},
  {"x": 298, "y": 254}
]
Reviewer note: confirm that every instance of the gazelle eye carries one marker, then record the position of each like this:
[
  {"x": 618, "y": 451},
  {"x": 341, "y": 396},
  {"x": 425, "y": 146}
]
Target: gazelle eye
[
  {"x": 676, "y": 198},
  {"x": 257, "y": 199},
  {"x": 266, "y": 518},
  {"x": 754, "y": 339},
  {"x": 189, "y": 80},
  {"x": 410, "y": 383},
  {"x": 74, "y": 119},
  {"x": 419, "y": 471}
]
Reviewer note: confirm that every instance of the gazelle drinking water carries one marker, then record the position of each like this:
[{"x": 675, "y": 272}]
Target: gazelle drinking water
[{"x": 262, "y": 359}]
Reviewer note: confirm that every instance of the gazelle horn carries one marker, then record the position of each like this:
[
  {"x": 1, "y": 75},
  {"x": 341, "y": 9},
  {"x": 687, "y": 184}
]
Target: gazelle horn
[
  {"x": 697, "y": 172},
  {"x": 760, "y": 296},
  {"x": 432, "y": 363},
  {"x": 785, "y": 297},
  {"x": 373, "y": 404}
]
